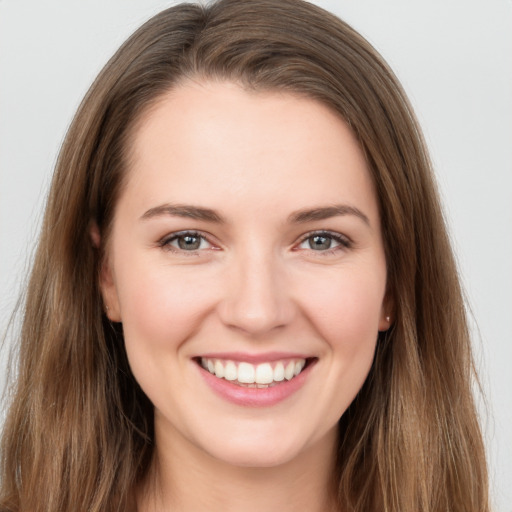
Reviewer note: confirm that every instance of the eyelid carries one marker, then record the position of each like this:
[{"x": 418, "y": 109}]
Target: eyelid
[
  {"x": 165, "y": 241},
  {"x": 344, "y": 241}
]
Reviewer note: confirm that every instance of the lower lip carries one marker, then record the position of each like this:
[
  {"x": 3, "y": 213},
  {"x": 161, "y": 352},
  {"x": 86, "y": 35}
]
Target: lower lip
[{"x": 255, "y": 397}]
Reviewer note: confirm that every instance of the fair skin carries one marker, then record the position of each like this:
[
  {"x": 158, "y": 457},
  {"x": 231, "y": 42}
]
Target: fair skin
[{"x": 247, "y": 235}]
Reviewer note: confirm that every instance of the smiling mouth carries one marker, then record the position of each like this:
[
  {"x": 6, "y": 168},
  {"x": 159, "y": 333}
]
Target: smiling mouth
[{"x": 263, "y": 375}]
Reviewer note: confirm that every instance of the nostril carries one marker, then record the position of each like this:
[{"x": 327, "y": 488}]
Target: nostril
[
  {"x": 256, "y": 317},
  {"x": 255, "y": 299}
]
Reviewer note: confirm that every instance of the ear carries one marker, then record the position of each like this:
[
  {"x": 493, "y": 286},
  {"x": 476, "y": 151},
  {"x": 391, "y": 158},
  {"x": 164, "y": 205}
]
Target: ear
[
  {"x": 109, "y": 292},
  {"x": 387, "y": 313},
  {"x": 106, "y": 278},
  {"x": 94, "y": 233}
]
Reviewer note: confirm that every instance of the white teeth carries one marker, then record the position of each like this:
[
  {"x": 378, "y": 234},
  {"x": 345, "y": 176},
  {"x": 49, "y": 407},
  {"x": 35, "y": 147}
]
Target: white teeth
[
  {"x": 279, "y": 372},
  {"x": 262, "y": 375},
  {"x": 298, "y": 368},
  {"x": 219, "y": 369},
  {"x": 289, "y": 370},
  {"x": 230, "y": 372},
  {"x": 246, "y": 373}
]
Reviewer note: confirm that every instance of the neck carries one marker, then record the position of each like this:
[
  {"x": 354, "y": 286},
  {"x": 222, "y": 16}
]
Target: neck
[{"x": 184, "y": 478}]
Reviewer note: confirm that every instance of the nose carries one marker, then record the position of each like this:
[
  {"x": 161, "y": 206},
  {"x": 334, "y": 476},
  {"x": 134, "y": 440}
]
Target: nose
[{"x": 256, "y": 299}]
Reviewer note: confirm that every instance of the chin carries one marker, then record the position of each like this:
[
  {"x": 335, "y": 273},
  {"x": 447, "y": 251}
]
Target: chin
[
  {"x": 263, "y": 451},
  {"x": 249, "y": 457}
]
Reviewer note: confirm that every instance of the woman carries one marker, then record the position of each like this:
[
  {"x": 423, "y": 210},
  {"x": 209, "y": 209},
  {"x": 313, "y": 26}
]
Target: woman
[{"x": 244, "y": 294}]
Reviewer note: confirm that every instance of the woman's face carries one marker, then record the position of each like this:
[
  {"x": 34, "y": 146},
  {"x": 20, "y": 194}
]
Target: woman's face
[{"x": 246, "y": 265}]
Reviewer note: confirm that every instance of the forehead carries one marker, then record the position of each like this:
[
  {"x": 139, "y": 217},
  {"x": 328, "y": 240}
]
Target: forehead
[{"x": 215, "y": 140}]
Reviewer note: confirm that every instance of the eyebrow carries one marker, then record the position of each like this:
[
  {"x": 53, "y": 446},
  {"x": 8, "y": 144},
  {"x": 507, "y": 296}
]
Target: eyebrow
[
  {"x": 183, "y": 210},
  {"x": 298, "y": 217},
  {"x": 327, "y": 212}
]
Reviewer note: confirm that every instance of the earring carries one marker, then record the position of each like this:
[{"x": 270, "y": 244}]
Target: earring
[{"x": 388, "y": 318}]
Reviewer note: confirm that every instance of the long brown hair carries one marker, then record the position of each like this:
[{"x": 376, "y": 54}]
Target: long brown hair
[{"x": 79, "y": 431}]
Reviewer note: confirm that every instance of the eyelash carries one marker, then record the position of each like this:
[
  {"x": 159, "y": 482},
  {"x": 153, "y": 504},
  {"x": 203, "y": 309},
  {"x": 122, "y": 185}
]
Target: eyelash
[
  {"x": 165, "y": 243},
  {"x": 343, "y": 241}
]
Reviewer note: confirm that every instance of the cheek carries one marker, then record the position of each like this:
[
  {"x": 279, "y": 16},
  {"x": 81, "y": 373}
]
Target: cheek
[
  {"x": 346, "y": 309},
  {"x": 160, "y": 309}
]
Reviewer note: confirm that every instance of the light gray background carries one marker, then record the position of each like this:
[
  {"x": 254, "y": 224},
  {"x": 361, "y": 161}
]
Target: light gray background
[{"x": 454, "y": 58}]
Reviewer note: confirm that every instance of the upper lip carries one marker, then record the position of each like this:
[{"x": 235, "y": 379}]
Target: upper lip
[{"x": 264, "y": 357}]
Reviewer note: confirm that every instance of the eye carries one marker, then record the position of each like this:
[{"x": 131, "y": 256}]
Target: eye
[
  {"x": 187, "y": 241},
  {"x": 324, "y": 241}
]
